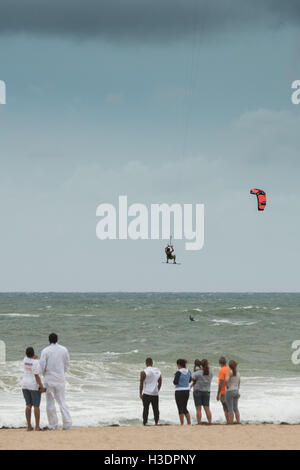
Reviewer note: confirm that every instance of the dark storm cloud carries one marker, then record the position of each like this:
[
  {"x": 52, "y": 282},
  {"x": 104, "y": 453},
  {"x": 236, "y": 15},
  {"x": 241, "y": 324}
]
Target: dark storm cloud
[{"x": 142, "y": 19}]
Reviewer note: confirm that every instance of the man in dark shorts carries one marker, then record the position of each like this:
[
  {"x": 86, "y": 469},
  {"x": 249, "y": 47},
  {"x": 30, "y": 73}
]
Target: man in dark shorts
[
  {"x": 222, "y": 386},
  {"x": 169, "y": 250},
  {"x": 32, "y": 388}
]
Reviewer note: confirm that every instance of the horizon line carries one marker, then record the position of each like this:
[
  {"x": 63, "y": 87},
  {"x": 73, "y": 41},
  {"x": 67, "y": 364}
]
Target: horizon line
[{"x": 144, "y": 292}]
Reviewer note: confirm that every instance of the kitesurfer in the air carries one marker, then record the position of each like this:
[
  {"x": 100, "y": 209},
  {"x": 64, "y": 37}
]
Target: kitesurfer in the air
[{"x": 169, "y": 250}]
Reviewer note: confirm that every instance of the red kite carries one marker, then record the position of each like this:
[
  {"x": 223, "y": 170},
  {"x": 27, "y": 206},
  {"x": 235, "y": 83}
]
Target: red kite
[{"x": 261, "y": 198}]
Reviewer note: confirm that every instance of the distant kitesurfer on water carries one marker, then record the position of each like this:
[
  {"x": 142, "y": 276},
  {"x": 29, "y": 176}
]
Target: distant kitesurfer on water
[{"x": 169, "y": 250}]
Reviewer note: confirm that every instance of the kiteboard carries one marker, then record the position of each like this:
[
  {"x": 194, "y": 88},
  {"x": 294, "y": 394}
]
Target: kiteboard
[{"x": 171, "y": 262}]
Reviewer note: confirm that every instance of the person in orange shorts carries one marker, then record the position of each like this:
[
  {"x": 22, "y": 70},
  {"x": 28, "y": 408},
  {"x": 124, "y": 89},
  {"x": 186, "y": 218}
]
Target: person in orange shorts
[{"x": 222, "y": 385}]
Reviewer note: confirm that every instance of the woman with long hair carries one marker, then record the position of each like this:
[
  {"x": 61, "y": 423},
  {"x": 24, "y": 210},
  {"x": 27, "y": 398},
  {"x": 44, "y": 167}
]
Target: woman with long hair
[
  {"x": 232, "y": 381},
  {"x": 201, "y": 381}
]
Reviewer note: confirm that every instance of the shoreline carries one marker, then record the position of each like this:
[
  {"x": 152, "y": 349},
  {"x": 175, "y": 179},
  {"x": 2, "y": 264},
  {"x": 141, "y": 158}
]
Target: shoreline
[
  {"x": 243, "y": 423},
  {"x": 245, "y": 436}
]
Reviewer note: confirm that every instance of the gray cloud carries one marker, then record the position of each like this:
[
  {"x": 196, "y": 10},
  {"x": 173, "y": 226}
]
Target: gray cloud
[{"x": 155, "y": 20}]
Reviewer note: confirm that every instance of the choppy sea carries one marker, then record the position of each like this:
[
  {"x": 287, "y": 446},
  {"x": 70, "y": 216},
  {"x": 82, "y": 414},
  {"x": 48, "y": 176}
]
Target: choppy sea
[{"x": 110, "y": 335}]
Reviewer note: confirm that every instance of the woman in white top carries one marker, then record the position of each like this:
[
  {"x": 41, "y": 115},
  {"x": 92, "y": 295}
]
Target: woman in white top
[{"x": 232, "y": 381}]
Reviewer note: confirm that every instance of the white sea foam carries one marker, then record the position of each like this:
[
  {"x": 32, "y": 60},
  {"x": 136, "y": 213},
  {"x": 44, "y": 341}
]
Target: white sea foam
[
  {"x": 15, "y": 314},
  {"x": 241, "y": 307},
  {"x": 247, "y": 307},
  {"x": 113, "y": 353},
  {"x": 102, "y": 394},
  {"x": 233, "y": 322},
  {"x": 103, "y": 382}
]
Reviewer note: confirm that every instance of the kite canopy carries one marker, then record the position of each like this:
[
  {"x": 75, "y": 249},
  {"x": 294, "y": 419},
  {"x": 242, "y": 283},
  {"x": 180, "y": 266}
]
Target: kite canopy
[{"x": 261, "y": 198}]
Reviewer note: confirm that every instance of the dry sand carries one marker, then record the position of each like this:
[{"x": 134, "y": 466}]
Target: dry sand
[{"x": 244, "y": 436}]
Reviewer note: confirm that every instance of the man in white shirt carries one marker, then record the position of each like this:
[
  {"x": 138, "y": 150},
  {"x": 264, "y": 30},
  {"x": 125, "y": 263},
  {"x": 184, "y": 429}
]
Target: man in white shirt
[
  {"x": 150, "y": 384},
  {"x": 54, "y": 362}
]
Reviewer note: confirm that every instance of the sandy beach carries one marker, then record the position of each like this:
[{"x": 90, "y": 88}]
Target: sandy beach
[{"x": 215, "y": 437}]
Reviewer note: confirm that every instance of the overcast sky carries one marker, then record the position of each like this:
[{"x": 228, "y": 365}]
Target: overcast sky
[{"x": 164, "y": 101}]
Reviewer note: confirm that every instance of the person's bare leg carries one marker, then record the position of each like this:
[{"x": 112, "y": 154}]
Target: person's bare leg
[
  {"x": 225, "y": 409},
  {"x": 181, "y": 417},
  {"x": 37, "y": 418},
  {"x": 208, "y": 414},
  {"x": 188, "y": 418},
  {"x": 237, "y": 417},
  {"x": 28, "y": 417},
  {"x": 198, "y": 414},
  {"x": 230, "y": 418}
]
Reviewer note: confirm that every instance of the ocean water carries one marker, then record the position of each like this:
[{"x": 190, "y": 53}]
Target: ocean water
[{"x": 110, "y": 335}]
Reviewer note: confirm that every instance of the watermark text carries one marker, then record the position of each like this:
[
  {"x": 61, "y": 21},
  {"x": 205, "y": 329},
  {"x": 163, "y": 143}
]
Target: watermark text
[
  {"x": 296, "y": 354},
  {"x": 296, "y": 94},
  {"x": 2, "y": 92},
  {"x": 2, "y": 351},
  {"x": 138, "y": 222}
]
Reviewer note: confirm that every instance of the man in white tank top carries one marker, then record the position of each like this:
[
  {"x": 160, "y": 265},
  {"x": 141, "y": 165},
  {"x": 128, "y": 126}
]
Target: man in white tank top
[{"x": 150, "y": 384}]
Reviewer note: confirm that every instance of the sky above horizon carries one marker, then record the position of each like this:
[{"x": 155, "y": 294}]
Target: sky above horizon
[{"x": 189, "y": 104}]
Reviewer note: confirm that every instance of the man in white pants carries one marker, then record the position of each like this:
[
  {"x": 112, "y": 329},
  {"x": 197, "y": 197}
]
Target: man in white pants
[{"x": 54, "y": 362}]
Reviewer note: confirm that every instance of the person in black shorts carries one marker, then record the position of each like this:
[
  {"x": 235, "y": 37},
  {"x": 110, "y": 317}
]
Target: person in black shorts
[
  {"x": 201, "y": 381},
  {"x": 169, "y": 250},
  {"x": 32, "y": 388},
  {"x": 182, "y": 379}
]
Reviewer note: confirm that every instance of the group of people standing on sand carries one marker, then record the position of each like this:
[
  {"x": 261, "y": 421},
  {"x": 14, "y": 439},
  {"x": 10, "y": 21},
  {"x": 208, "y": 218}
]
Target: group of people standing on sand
[
  {"x": 200, "y": 381},
  {"x": 53, "y": 364},
  {"x": 55, "y": 360}
]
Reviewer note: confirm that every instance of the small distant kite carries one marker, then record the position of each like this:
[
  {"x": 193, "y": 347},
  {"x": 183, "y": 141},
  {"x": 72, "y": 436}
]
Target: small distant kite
[{"x": 261, "y": 198}]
